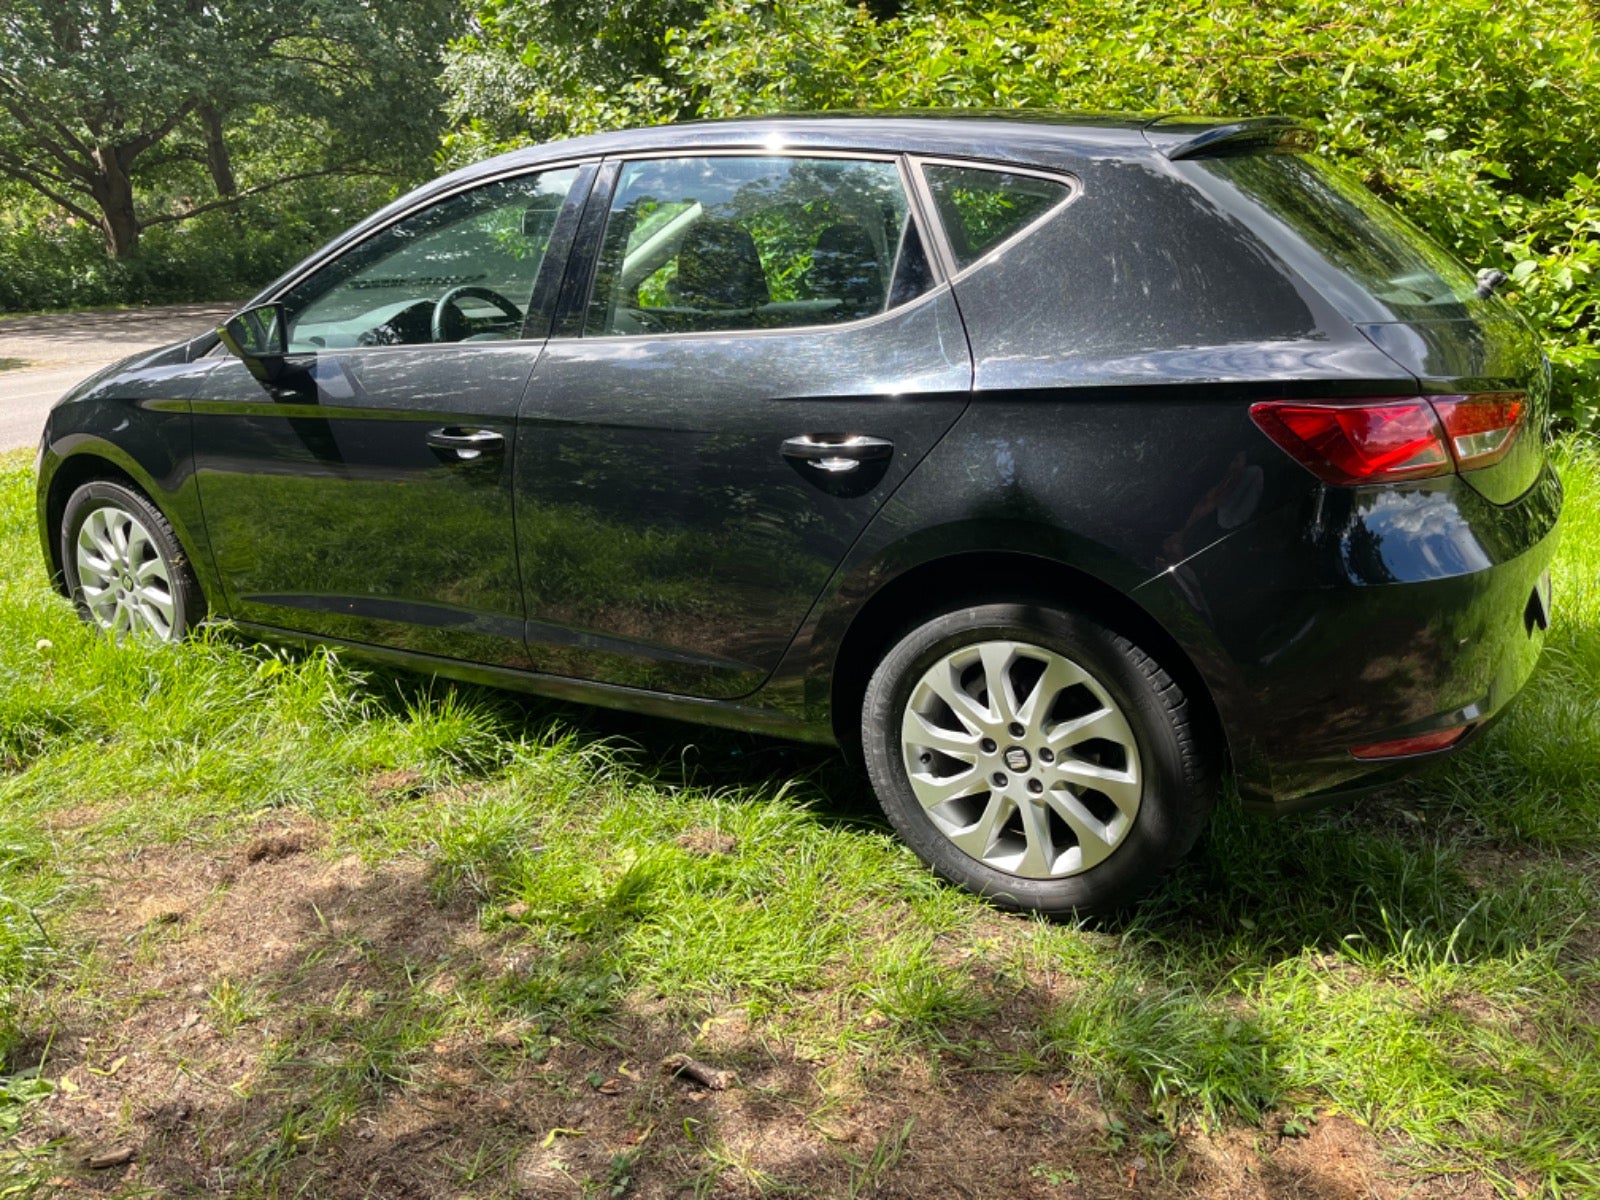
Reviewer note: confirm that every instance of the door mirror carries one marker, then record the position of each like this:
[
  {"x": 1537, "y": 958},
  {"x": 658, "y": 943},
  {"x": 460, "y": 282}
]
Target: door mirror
[{"x": 259, "y": 338}]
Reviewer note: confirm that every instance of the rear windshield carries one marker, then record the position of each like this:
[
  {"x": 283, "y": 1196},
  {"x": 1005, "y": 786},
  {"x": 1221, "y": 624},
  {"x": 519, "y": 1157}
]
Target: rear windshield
[{"x": 1351, "y": 230}]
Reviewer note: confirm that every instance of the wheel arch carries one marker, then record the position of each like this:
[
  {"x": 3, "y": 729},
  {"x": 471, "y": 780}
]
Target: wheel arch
[
  {"x": 93, "y": 461},
  {"x": 940, "y": 584}
]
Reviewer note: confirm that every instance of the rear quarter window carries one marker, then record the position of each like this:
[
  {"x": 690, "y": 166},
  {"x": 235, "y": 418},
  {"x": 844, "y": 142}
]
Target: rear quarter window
[{"x": 981, "y": 207}]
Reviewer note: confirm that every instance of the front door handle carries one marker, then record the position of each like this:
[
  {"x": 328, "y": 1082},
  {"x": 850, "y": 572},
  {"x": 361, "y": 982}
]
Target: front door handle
[
  {"x": 468, "y": 444},
  {"x": 835, "y": 453}
]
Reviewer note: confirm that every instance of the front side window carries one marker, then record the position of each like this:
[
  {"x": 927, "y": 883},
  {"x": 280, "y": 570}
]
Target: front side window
[
  {"x": 980, "y": 207},
  {"x": 728, "y": 243},
  {"x": 460, "y": 270}
]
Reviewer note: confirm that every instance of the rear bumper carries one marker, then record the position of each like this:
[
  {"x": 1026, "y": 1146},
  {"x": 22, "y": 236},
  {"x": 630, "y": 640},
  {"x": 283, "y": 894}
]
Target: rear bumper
[{"x": 1393, "y": 613}]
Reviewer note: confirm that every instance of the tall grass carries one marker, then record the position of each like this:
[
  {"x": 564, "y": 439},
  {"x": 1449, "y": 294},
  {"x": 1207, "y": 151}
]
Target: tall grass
[{"x": 1421, "y": 961}]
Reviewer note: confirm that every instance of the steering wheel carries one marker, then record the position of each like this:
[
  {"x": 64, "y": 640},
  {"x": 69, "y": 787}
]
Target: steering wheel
[{"x": 449, "y": 323}]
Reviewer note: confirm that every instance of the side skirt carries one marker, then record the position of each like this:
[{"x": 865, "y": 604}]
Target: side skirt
[{"x": 721, "y": 713}]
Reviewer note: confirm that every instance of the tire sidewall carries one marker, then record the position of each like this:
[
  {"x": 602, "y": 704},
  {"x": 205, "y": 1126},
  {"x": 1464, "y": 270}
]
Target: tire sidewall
[
  {"x": 188, "y": 605},
  {"x": 1173, "y": 805}
]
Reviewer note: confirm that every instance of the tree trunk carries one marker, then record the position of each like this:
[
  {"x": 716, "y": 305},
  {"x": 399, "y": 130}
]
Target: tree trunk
[
  {"x": 217, "y": 157},
  {"x": 113, "y": 192}
]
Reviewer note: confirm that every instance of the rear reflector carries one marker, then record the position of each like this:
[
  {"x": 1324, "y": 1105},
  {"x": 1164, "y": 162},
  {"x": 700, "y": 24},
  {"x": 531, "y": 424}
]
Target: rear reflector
[
  {"x": 1481, "y": 428},
  {"x": 1393, "y": 439},
  {"x": 1426, "y": 743}
]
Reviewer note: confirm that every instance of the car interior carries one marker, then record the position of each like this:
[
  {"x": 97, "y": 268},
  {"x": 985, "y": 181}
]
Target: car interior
[
  {"x": 689, "y": 268},
  {"x": 756, "y": 260}
]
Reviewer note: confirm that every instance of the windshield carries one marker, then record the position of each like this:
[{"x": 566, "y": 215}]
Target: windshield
[{"x": 1348, "y": 228}]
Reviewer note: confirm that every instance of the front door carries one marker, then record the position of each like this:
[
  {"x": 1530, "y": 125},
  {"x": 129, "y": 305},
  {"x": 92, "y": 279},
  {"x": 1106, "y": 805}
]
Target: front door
[
  {"x": 369, "y": 496},
  {"x": 762, "y": 354}
]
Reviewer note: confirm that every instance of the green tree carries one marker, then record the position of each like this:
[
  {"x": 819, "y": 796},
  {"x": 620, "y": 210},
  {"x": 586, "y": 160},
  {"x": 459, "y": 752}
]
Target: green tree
[
  {"x": 1476, "y": 117},
  {"x": 133, "y": 113},
  {"x": 530, "y": 70}
]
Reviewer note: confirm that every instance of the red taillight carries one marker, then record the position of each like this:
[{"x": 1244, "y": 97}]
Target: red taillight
[
  {"x": 1388, "y": 440},
  {"x": 1358, "y": 443},
  {"x": 1426, "y": 743}
]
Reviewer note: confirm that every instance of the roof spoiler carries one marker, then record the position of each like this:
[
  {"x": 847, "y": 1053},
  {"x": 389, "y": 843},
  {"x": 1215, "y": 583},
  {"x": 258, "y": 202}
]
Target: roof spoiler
[{"x": 1255, "y": 135}]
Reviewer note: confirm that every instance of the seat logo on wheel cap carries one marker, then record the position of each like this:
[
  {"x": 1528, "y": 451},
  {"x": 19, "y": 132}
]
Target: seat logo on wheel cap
[{"x": 1017, "y": 759}]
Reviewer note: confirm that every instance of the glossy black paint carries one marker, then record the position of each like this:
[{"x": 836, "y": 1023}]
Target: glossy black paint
[
  {"x": 1069, "y": 418},
  {"x": 678, "y": 549},
  {"x": 329, "y": 512}
]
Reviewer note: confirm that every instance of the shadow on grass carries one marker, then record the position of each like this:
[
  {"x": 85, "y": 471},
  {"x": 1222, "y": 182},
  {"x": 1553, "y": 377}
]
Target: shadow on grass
[
  {"x": 1371, "y": 872},
  {"x": 385, "y": 1044},
  {"x": 423, "y": 1039}
]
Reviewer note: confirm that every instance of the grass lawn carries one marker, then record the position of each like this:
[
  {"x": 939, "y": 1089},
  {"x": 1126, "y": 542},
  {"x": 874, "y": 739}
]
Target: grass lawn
[{"x": 275, "y": 925}]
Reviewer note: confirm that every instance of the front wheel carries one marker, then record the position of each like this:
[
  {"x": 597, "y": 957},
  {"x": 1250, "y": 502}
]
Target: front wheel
[
  {"x": 1036, "y": 757},
  {"x": 124, "y": 567}
]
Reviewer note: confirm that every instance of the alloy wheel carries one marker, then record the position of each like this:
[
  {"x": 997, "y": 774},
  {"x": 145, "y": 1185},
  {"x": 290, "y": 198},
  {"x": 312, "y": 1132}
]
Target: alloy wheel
[
  {"x": 125, "y": 582},
  {"x": 1022, "y": 759}
]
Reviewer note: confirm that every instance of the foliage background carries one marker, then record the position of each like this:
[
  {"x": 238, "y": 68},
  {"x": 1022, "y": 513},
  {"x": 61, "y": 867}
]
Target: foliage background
[
  {"x": 49, "y": 261},
  {"x": 1478, "y": 118},
  {"x": 208, "y": 145}
]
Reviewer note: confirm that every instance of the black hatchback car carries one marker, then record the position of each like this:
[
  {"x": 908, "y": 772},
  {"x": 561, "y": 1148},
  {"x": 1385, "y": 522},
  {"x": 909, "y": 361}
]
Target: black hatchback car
[{"x": 1061, "y": 465}]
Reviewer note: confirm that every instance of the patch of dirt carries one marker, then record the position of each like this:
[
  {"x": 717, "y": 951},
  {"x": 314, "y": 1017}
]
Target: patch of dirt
[
  {"x": 77, "y": 816},
  {"x": 267, "y": 1019},
  {"x": 1336, "y": 1160},
  {"x": 396, "y": 785},
  {"x": 277, "y": 845},
  {"x": 707, "y": 843}
]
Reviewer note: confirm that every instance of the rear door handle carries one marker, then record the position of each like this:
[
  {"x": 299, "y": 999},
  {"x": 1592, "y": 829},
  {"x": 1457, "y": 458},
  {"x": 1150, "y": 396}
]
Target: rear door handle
[
  {"x": 836, "y": 454},
  {"x": 468, "y": 444}
]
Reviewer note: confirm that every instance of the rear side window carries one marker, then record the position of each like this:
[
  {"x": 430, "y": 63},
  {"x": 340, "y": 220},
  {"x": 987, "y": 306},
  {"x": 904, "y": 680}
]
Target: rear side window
[
  {"x": 733, "y": 242},
  {"x": 1348, "y": 227},
  {"x": 980, "y": 207}
]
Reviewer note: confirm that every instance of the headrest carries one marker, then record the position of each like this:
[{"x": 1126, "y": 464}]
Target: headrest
[
  {"x": 844, "y": 266},
  {"x": 718, "y": 267}
]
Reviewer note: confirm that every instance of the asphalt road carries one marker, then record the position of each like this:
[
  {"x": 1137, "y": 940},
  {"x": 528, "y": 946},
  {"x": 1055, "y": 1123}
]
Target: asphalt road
[{"x": 41, "y": 357}]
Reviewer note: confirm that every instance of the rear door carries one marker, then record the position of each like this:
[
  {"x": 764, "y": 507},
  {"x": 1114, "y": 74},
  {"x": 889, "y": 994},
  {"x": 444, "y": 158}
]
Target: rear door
[
  {"x": 369, "y": 498},
  {"x": 757, "y": 354}
]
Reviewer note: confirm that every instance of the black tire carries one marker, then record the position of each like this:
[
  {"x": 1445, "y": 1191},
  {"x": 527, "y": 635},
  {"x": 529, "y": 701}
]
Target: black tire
[
  {"x": 187, "y": 600},
  {"x": 1177, "y": 780}
]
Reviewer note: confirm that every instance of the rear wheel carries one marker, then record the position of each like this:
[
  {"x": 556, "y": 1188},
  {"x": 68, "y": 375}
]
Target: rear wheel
[
  {"x": 124, "y": 566},
  {"x": 1036, "y": 757}
]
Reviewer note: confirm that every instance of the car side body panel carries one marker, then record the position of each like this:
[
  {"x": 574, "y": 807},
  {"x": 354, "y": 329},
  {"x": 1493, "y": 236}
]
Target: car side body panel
[
  {"x": 667, "y": 541},
  {"x": 329, "y": 512}
]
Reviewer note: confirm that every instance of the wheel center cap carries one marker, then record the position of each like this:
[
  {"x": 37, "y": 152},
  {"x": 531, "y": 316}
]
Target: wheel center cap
[{"x": 1017, "y": 759}]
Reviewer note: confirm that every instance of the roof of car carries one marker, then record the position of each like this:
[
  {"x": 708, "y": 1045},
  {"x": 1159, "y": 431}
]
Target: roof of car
[{"x": 1007, "y": 135}]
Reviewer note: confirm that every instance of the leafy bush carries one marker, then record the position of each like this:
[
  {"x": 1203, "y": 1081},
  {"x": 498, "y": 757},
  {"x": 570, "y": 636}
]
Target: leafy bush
[
  {"x": 47, "y": 261},
  {"x": 1476, "y": 117}
]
